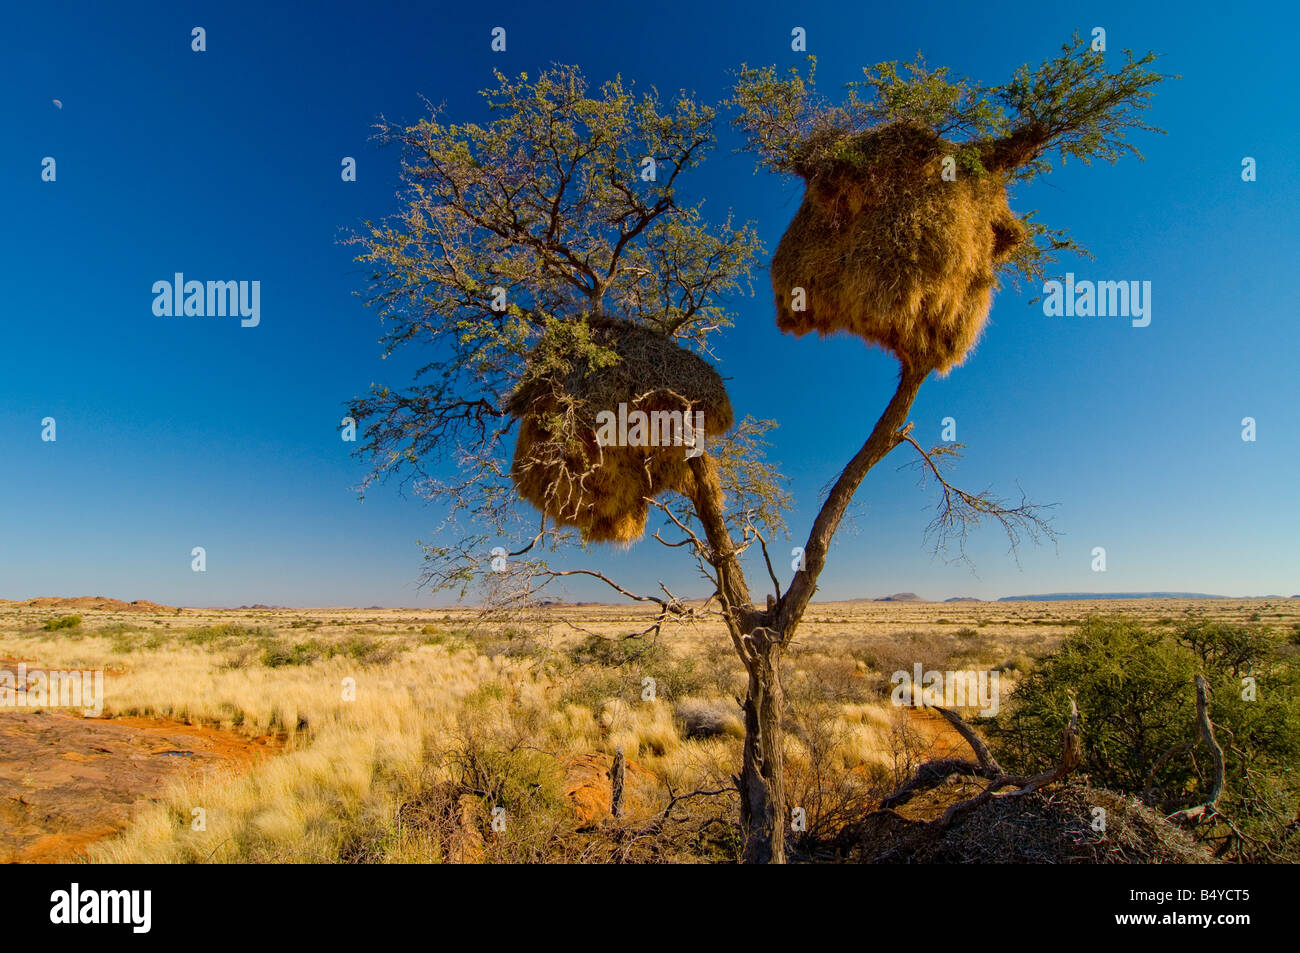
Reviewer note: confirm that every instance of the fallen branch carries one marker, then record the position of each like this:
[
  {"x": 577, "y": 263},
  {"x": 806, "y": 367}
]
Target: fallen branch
[
  {"x": 932, "y": 774},
  {"x": 1071, "y": 755},
  {"x": 986, "y": 759},
  {"x": 617, "y": 778}
]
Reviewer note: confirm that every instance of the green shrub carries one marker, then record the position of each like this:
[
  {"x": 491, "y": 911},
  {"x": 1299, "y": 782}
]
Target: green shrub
[
  {"x": 636, "y": 657},
  {"x": 1137, "y": 701},
  {"x": 126, "y": 641},
  {"x": 617, "y": 652},
  {"x": 1226, "y": 647},
  {"x": 279, "y": 654},
  {"x": 364, "y": 650},
  {"x": 62, "y": 622},
  {"x": 591, "y": 687},
  {"x": 226, "y": 632}
]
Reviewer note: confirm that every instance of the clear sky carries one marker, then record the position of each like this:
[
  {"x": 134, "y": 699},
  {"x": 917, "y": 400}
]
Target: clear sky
[{"x": 181, "y": 432}]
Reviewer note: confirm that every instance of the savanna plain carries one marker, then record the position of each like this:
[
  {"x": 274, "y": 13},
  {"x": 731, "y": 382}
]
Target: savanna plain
[{"x": 431, "y": 735}]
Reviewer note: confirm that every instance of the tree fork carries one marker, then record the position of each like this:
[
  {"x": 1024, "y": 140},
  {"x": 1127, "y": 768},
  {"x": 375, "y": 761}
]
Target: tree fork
[
  {"x": 760, "y": 635},
  {"x": 884, "y": 438}
]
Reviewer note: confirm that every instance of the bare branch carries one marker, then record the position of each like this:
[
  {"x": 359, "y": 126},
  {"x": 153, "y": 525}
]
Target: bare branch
[
  {"x": 986, "y": 759},
  {"x": 959, "y": 511},
  {"x": 771, "y": 573}
]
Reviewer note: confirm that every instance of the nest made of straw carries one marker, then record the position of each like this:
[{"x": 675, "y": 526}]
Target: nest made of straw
[
  {"x": 886, "y": 249},
  {"x": 559, "y": 465},
  {"x": 1050, "y": 826}
]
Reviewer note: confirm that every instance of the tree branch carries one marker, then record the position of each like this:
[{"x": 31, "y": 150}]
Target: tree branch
[
  {"x": 1071, "y": 755},
  {"x": 884, "y": 438},
  {"x": 960, "y": 511},
  {"x": 1209, "y": 807}
]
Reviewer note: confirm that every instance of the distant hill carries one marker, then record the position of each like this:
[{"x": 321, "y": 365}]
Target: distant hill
[
  {"x": 89, "y": 602},
  {"x": 963, "y": 599},
  {"x": 901, "y": 597},
  {"x": 1067, "y": 596}
]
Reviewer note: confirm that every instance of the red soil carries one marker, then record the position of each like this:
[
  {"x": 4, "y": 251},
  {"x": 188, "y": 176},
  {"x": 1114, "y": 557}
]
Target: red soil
[{"x": 68, "y": 781}]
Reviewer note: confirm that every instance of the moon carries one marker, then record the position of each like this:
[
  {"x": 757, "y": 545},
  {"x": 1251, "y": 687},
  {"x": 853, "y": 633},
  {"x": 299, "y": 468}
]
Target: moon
[{"x": 57, "y": 103}]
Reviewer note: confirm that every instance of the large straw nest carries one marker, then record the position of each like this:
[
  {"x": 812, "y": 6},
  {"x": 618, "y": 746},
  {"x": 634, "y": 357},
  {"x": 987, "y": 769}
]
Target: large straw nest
[
  {"x": 559, "y": 465},
  {"x": 887, "y": 250}
]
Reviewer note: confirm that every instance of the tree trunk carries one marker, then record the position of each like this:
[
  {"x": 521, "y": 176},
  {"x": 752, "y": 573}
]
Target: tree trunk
[
  {"x": 759, "y": 636},
  {"x": 617, "y": 778},
  {"x": 762, "y": 777},
  {"x": 884, "y": 438},
  {"x": 762, "y": 774}
]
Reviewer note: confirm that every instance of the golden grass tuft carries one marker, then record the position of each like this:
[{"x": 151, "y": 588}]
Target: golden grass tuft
[
  {"x": 887, "y": 250},
  {"x": 559, "y": 465}
]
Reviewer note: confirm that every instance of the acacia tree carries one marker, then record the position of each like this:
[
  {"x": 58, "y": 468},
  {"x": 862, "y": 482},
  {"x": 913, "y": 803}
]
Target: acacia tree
[
  {"x": 545, "y": 209},
  {"x": 530, "y": 227}
]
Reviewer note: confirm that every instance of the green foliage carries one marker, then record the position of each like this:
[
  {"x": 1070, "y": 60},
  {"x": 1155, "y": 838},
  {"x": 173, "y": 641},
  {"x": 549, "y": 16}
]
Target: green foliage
[
  {"x": 546, "y": 201},
  {"x": 754, "y": 488},
  {"x": 779, "y": 114},
  {"x": 365, "y": 650},
  {"x": 1082, "y": 110},
  {"x": 616, "y": 652},
  {"x": 623, "y": 663},
  {"x": 1134, "y": 688},
  {"x": 1226, "y": 647},
  {"x": 1071, "y": 106},
  {"x": 62, "y": 622},
  {"x": 598, "y": 685},
  {"x": 276, "y": 654},
  {"x": 226, "y": 632},
  {"x": 280, "y": 654},
  {"x": 127, "y": 641}
]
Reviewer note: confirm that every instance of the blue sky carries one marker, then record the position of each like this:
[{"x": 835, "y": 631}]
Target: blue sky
[{"x": 182, "y": 432}]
